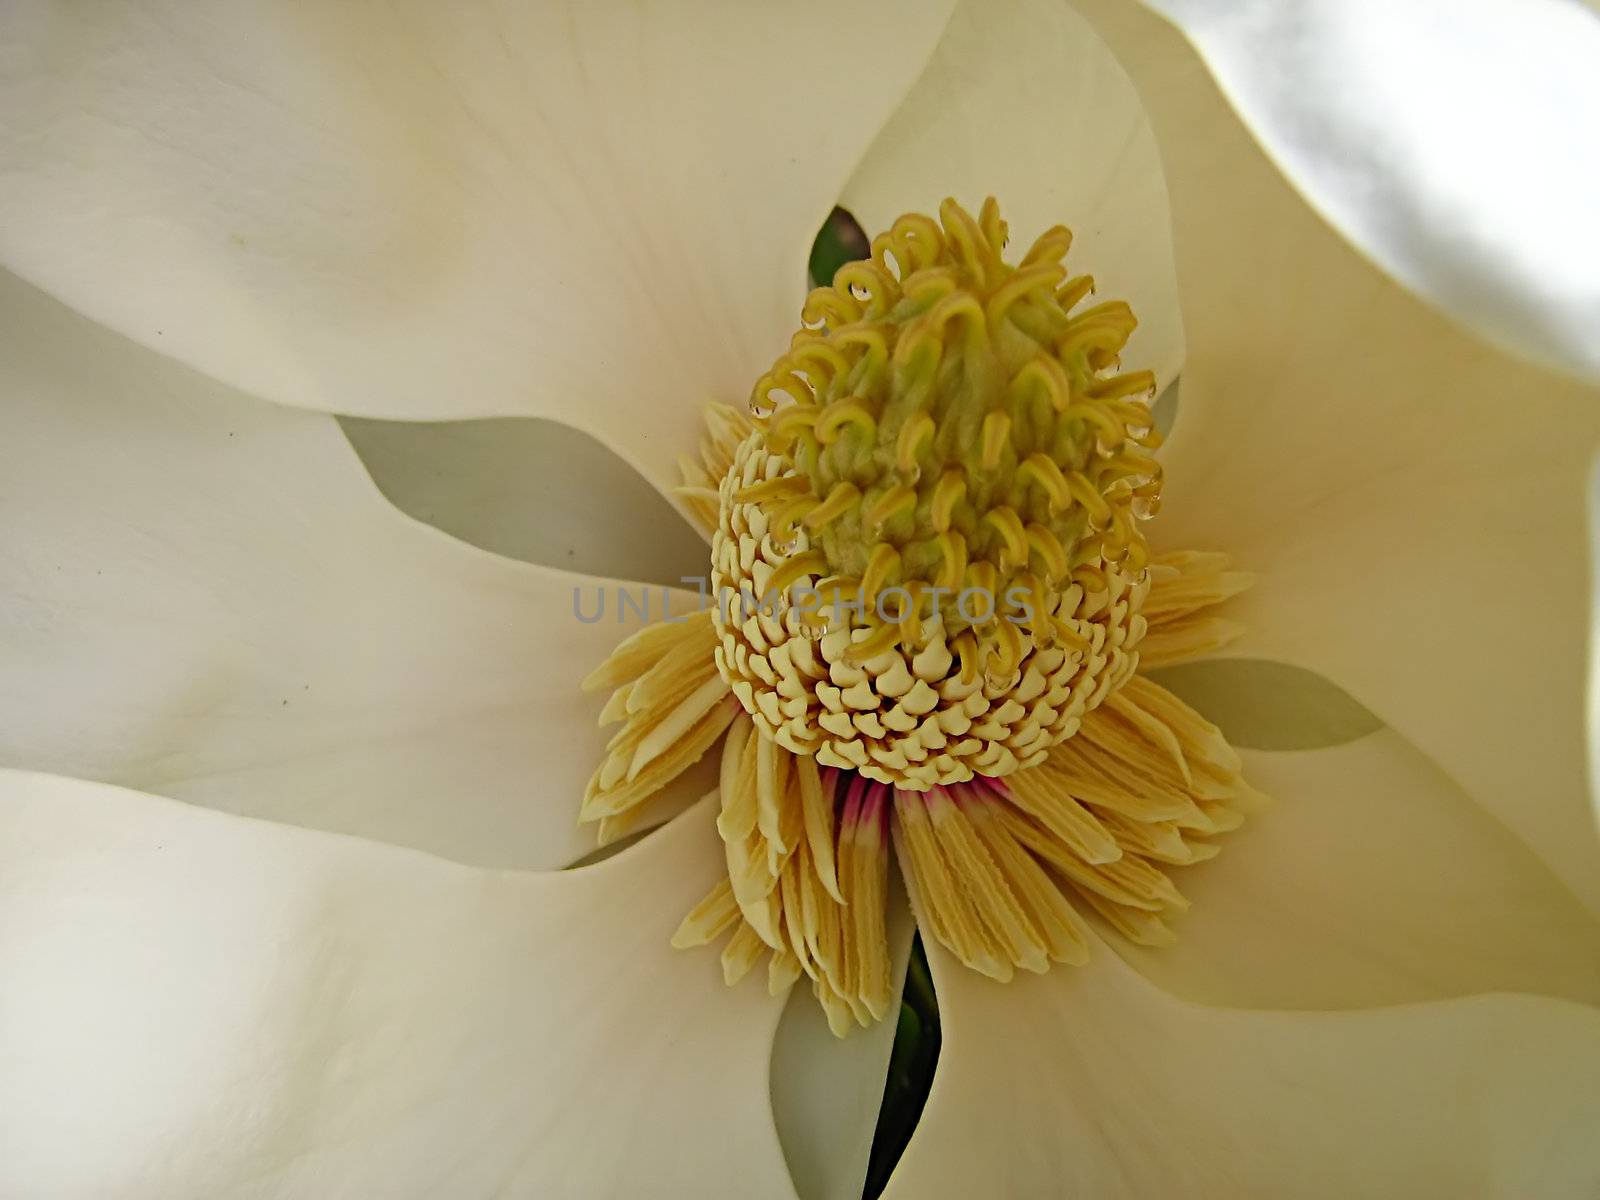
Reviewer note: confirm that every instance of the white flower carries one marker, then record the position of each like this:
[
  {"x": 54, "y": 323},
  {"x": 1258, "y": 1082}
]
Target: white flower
[{"x": 599, "y": 213}]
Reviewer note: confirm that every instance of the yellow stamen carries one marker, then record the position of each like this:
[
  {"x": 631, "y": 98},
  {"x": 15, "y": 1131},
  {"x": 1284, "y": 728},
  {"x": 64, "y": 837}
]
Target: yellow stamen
[
  {"x": 841, "y": 499},
  {"x": 916, "y": 433},
  {"x": 996, "y": 433},
  {"x": 947, "y": 494}
]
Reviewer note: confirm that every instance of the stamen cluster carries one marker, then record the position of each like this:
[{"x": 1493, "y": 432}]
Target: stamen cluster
[
  {"x": 929, "y": 574},
  {"x": 936, "y": 515}
]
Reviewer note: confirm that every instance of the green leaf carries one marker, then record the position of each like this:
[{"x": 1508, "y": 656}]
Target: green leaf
[
  {"x": 1260, "y": 704},
  {"x": 912, "y": 1063},
  {"x": 907, "y": 1037},
  {"x": 840, "y": 240}
]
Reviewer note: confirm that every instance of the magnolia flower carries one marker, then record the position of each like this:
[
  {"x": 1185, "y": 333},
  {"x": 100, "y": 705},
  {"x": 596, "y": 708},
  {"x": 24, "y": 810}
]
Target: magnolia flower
[{"x": 292, "y": 776}]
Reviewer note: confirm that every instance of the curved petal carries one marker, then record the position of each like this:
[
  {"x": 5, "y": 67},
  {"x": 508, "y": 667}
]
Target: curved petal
[
  {"x": 1022, "y": 100},
  {"x": 1381, "y": 113},
  {"x": 1373, "y": 880},
  {"x": 200, "y": 1005},
  {"x": 1411, "y": 501},
  {"x": 598, "y": 212},
  {"x": 205, "y": 597},
  {"x": 1092, "y": 1082}
]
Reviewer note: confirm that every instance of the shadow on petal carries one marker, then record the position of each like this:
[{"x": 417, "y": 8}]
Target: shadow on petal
[
  {"x": 1264, "y": 705},
  {"x": 532, "y": 490}
]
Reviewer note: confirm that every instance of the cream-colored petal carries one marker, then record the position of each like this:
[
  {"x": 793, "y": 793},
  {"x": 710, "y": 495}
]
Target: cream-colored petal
[
  {"x": 1092, "y": 1082},
  {"x": 1022, "y": 100},
  {"x": 1411, "y": 501},
  {"x": 596, "y": 211},
  {"x": 1374, "y": 879},
  {"x": 205, "y": 597},
  {"x": 202, "y": 1005},
  {"x": 1388, "y": 118}
]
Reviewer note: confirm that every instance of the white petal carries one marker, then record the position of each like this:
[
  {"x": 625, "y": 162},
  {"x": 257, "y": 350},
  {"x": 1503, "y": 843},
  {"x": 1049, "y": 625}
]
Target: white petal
[
  {"x": 1091, "y": 1082},
  {"x": 1453, "y": 143},
  {"x": 1373, "y": 879},
  {"x": 205, "y": 597},
  {"x": 201, "y": 1005},
  {"x": 595, "y": 211},
  {"x": 1412, "y": 501},
  {"x": 1022, "y": 100}
]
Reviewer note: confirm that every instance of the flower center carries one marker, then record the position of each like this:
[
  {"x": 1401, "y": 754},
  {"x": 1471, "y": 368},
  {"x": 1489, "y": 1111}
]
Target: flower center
[
  {"x": 929, "y": 574},
  {"x": 927, "y": 561}
]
